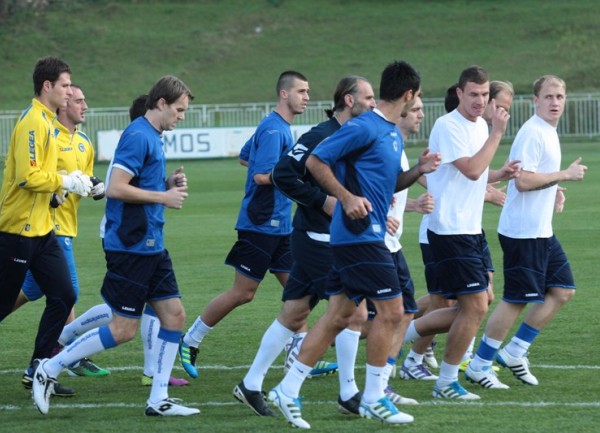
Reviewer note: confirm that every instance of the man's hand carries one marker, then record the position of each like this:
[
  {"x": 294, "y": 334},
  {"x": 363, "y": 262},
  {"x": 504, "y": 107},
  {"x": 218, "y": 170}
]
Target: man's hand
[
  {"x": 429, "y": 162},
  {"x": 329, "y": 205},
  {"x": 356, "y": 207},
  {"x": 559, "y": 202},
  {"x": 424, "y": 203},
  {"x": 576, "y": 170},
  {"x": 177, "y": 178},
  {"x": 392, "y": 225},
  {"x": 58, "y": 198},
  {"x": 77, "y": 182},
  {"x": 175, "y": 196},
  {"x": 495, "y": 196},
  {"x": 97, "y": 191}
]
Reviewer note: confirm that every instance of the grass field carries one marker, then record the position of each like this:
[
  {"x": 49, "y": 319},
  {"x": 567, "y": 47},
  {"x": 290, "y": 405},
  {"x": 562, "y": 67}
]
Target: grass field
[
  {"x": 230, "y": 52},
  {"x": 565, "y": 357}
]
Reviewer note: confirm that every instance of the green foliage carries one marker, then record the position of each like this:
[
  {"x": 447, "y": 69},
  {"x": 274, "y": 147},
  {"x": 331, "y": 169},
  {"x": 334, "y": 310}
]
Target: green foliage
[
  {"x": 233, "y": 51},
  {"x": 198, "y": 238}
]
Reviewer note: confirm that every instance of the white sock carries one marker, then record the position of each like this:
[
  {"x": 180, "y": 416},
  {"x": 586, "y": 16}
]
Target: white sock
[
  {"x": 271, "y": 345},
  {"x": 295, "y": 377},
  {"x": 149, "y": 333},
  {"x": 167, "y": 344},
  {"x": 196, "y": 333},
  {"x": 95, "y": 317},
  {"x": 517, "y": 347},
  {"x": 346, "y": 348},
  {"x": 413, "y": 359},
  {"x": 411, "y": 333},
  {"x": 387, "y": 372},
  {"x": 88, "y": 344},
  {"x": 373, "y": 384},
  {"x": 469, "y": 353},
  {"x": 448, "y": 374}
]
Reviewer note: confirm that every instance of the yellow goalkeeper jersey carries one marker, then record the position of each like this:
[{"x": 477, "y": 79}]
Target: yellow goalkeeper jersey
[
  {"x": 75, "y": 152},
  {"x": 30, "y": 174}
]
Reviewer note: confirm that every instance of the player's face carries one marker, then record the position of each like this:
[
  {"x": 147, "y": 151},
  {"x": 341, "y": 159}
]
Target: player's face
[
  {"x": 503, "y": 100},
  {"x": 550, "y": 103},
  {"x": 76, "y": 107},
  {"x": 60, "y": 91},
  {"x": 298, "y": 96},
  {"x": 473, "y": 99},
  {"x": 364, "y": 98},
  {"x": 173, "y": 113},
  {"x": 411, "y": 123}
]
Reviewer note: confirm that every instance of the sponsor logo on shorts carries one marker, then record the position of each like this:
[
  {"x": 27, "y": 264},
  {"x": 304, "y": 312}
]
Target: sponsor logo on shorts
[
  {"x": 245, "y": 268},
  {"x": 531, "y": 295},
  {"x": 124, "y": 308},
  {"x": 275, "y": 223},
  {"x": 17, "y": 260},
  {"x": 150, "y": 243},
  {"x": 382, "y": 291},
  {"x": 473, "y": 285}
]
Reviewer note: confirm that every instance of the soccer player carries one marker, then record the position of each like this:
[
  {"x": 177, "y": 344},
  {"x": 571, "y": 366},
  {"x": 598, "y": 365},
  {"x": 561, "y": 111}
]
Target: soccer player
[
  {"x": 536, "y": 269},
  {"x": 366, "y": 154},
  {"x": 27, "y": 238},
  {"x": 264, "y": 222},
  {"x": 454, "y": 228},
  {"x": 312, "y": 257},
  {"x": 139, "y": 268},
  {"x": 75, "y": 152}
]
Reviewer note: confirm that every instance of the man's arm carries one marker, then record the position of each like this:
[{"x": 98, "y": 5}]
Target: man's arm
[
  {"x": 530, "y": 181},
  {"x": 355, "y": 207},
  {"x": 428, "y": 162},
  {"x": 120, "y": 189}
]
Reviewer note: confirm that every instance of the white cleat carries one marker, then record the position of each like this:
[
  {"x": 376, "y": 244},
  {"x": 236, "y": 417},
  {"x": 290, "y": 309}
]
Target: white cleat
[
  {"x": 384, "y": 410},
  {"x": 518, "y": 366},
  {"x": 169, "y": 407},
  {"x": 290, "y": 407},
  {"x": 486, "y": 377},
  {"x": 42, "y": 386}
]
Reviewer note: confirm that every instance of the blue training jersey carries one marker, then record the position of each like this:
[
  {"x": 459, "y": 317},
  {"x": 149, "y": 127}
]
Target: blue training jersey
[
  {"x": 264, "y": 208},
  {"x": 365, "y": 155},
  {"x": 138, "y": 228}
]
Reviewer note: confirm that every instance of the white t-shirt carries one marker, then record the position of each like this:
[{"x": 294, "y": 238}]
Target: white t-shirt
[
  {"x": 423, "y": 239},
  {"x": 458, "y": 200},
  {"x": 397, "y": 211},
  {"x": 527, "y": 215}
]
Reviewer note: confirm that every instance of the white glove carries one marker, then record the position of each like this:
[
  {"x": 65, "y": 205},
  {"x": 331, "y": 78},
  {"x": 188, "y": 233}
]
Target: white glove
[
  {"x": 77, "y": 182},
  {"x": 97, "y": 191}
]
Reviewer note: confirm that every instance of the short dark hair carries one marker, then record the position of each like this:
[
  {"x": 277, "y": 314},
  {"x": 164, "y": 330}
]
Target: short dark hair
[
  {"x": 286, "y": 80},
  {"x": 169, "y": 88},
  {"x": 48, "y": 68},
  {"x": 347, "y": 86},
  {"x": 473, "y": 74},
  {"x": 451, "y": 99},
  {"x": 138, "y": 107},
  {"x": 397, "y": 78}
]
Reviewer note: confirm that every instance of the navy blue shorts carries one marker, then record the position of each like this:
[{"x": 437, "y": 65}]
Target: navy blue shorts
[
  {"x": 406, "y": 285},
  {"x": 312, "y": 262},
  {"x": 487, "y": 256},
  {"x": 255, "y": 253},
  {"x": 430, "y": 271},
  {"x": 531, "y": 266},
  {"x": 459, "y": 263},
  {"x": 133, "y": 279},
  {"x": 363, "y": 271}
]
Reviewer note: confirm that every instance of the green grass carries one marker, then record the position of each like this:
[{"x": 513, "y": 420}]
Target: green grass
[
  {"x": 118, "y": 49},
  {"x": 200, "y": 235}
]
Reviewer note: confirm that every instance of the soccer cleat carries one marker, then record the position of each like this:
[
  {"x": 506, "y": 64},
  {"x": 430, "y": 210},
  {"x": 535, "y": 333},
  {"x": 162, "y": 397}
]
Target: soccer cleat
[
  {"x": 291, "y": 408},
  {"x": 255, "y": 400},
  {"x": 384, "y": 410},
  {"x": 173, "y": 381},
  {"x": 292, "y": 349},
  {"x": 416, "y": 372},
  {"x": 486, "y": 377},
  {"x": 397, "y": 398},
  {"x": 463, "y": 365},
  {"x": 429, "y": 356},
  {"x": 59, "y": 390},
  {"x": 169, "y": 407},
  {"x": 88, "y": 369},
  {"x": 42, "y": 386},
  {"x": 350, "y": 406},
  {"x": 454, "y": 390},
  {"x": 187, "y": 356},
  {"x": 518, "y": 366},
  {"x": 323, "y": 368}
]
